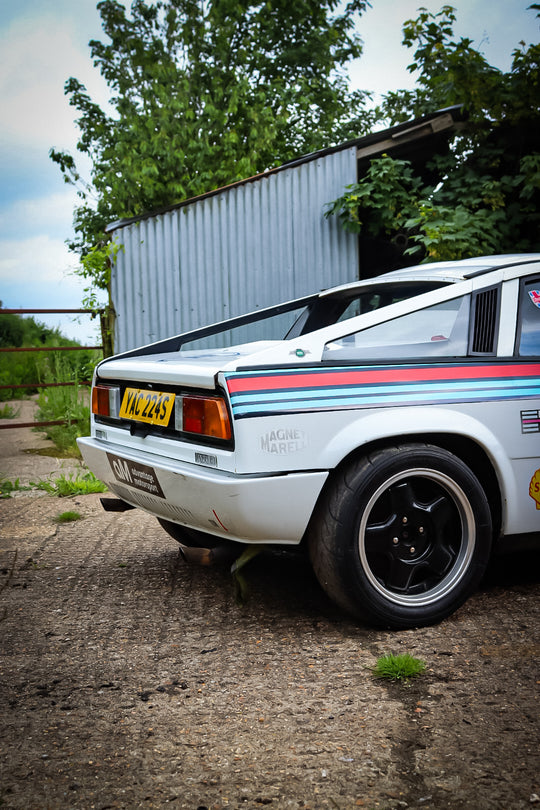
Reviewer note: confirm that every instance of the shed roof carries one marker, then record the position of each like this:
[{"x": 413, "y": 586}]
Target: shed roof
[{"x": 417, "y": 140}]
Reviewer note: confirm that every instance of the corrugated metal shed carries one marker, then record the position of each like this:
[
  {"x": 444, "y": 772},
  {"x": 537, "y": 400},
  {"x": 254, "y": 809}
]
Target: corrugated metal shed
[
  {"x": 250, "y": 246},
  {"x": 247, "y": 246}
]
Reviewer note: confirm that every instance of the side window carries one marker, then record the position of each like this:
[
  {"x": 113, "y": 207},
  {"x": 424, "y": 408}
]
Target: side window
[
  {"x": 528, "y": 340},
  {"x": 438, "y": 331}
]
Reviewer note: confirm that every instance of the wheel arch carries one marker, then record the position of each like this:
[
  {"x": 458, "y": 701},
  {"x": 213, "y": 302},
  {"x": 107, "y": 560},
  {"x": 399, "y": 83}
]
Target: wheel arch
[
  {"x": 491, "y": 467},
  {"x": 465, "y": 448}
]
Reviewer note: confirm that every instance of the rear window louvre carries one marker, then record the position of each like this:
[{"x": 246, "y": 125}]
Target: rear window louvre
[{"x": 486, "y": 317}]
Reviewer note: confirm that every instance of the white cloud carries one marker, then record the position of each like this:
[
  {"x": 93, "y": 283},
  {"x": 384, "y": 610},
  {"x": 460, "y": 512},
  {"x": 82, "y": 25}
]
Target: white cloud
[
  {"x": 44, "y": 44},
  {"x": 39, "y": 259},
  {"x": 38, "y": 55},
  {"x": 45, "y": 215},
  {"x": 37, "y": 273}
]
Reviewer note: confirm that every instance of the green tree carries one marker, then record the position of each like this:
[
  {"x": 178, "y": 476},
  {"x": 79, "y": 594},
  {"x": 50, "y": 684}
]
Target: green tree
[
  {"x": 485, "y": 195},
  {"x": 11, "y": 330},
  {"x": 206, "y": 92}
]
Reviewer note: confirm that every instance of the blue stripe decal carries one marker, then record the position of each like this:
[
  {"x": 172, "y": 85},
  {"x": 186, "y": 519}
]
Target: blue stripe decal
[
  {"x": 293, "y": 406},
  {"x": 302, "y": 401},
  {"x": 296, "y": 390},
  {"x": 385, "y": 390}
]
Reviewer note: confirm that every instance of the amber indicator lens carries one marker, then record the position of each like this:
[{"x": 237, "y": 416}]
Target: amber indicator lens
[
  {"x": 100, "y": 400},
  {"x": 207, "y": 416}
]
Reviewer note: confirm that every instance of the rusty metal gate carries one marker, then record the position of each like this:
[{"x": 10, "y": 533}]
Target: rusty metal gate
[{"x": 46, "y": 349}]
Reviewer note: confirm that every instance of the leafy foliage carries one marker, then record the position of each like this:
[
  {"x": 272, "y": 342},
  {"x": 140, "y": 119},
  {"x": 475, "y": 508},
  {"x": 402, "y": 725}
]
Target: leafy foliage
[
  {"x": 66, "y": 485},
  {"x": 382, "y": 201},
  {"x": 63, "y": 486},
  {"x": 56, "y": 402},
  {"x": 63, "y": 402},
  {"x": 205, "y": 93},
  {"x": 18, "y": 368},
  {"x": 16, "y": 331},
  {"x": 485, "y": 197},
  {"x": 95, "y": 267}
]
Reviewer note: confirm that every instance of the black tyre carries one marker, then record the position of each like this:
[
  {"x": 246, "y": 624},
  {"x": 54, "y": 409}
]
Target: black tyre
[{"x": 402, "y": 537}]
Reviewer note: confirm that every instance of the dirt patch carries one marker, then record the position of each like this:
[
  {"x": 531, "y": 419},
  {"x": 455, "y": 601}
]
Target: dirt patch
[{"x": 132, "y": 679}]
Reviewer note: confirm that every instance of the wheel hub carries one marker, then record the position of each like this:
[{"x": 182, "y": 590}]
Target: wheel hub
[{"x": 412, "y": 539}]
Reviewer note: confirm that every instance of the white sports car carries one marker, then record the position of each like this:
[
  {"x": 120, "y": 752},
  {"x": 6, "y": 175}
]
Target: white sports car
[{"x": 390, "y": 426}]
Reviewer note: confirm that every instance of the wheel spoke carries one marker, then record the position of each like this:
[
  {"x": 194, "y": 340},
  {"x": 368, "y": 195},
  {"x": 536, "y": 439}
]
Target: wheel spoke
[
  {"x": 440, "y": 559},
  {"x": 440, "y": 510},
  {"x": 377, "y": 535},
  {"x": 400, "y": 576},
  {"x": 402, "y": 497}
]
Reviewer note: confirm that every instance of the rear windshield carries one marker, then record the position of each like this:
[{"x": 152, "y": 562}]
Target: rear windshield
[{"x": 302, "y": 316}]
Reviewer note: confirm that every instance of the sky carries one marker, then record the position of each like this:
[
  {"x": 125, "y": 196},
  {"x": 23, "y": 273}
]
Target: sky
[{"x": 44, "y": 42}]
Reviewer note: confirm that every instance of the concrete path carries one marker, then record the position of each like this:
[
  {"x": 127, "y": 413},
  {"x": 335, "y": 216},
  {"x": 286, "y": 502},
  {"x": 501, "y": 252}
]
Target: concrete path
[{"x": 22, "y": 449}]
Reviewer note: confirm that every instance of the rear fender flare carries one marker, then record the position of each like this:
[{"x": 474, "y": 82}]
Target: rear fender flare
[{"x": 397, "y": 424}]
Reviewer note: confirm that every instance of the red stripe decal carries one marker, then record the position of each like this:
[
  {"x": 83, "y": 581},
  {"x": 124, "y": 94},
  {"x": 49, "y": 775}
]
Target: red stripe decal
[
  {"x": 394, "y": 375},
  {"x": 219, "y": 521}
]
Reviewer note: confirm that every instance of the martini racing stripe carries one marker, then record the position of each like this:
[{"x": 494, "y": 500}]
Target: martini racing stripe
[
  {"x": 265, "y": 393},
  {"x": 287, "y": 379}
]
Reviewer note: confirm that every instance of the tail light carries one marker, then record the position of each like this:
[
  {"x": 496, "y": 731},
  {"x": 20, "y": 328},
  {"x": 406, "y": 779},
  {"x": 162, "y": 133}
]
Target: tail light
[
  {"x": 205, "y": 416},
  {"x": 106, "y": 400},
  {"x": 199, "y": 415}
]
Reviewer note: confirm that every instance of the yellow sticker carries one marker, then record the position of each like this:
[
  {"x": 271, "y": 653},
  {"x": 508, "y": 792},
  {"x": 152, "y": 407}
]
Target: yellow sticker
[{"x": 534, "y": 488}]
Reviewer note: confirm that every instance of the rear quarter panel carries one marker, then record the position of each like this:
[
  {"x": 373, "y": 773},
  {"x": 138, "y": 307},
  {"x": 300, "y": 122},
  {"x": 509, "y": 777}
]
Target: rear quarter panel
[{"x": 306, "y": 421}]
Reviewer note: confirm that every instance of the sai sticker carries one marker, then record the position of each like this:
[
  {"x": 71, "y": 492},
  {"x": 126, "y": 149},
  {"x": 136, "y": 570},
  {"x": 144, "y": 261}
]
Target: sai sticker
[{"x": 534, "y": 488}]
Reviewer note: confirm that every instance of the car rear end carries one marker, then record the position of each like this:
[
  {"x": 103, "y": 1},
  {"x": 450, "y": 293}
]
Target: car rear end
[{"x": 164, "y": 439}]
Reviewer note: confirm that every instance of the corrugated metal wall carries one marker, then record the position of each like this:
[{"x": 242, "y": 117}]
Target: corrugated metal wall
[{"x": 245, "y": 248}]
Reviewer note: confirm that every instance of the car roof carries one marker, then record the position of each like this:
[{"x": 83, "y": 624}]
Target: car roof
[{"x": 448, "y": 272}]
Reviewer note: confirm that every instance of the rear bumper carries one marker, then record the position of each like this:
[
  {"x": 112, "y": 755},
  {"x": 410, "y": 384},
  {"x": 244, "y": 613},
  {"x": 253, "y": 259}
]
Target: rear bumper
[{"x": 246, "y": 509}]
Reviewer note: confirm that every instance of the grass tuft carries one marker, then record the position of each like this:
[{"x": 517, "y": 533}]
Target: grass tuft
[
  {"x": 67, "y": 517},
  {"x": 398, "y": 667}
]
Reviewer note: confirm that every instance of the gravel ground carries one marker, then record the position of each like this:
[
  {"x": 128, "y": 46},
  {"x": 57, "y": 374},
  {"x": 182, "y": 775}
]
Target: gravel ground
[{"x": 132, "y": 679}]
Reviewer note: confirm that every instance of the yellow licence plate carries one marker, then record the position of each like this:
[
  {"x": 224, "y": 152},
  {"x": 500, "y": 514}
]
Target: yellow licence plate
[{"x": 153, "y": 407}]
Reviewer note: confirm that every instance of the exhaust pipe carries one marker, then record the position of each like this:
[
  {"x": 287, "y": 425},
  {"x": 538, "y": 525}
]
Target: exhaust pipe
[{"x": 115, "y": 505}]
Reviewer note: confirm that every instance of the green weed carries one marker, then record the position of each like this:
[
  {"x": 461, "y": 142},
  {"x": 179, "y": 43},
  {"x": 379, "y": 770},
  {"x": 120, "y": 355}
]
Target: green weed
[
  {"x": 9, "y": 412},
  {"x": 7, "y": 487},
  {"x": 240, "y": 582},
  {"x": 69, "y": 402},
  {"x": 17, "y": 369},
  {"x": 63, "y": 486},
  {"x": 67, "y": 517},
  {"x": 398, "y": 667},
  {"x": 63, "y": 402}
]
